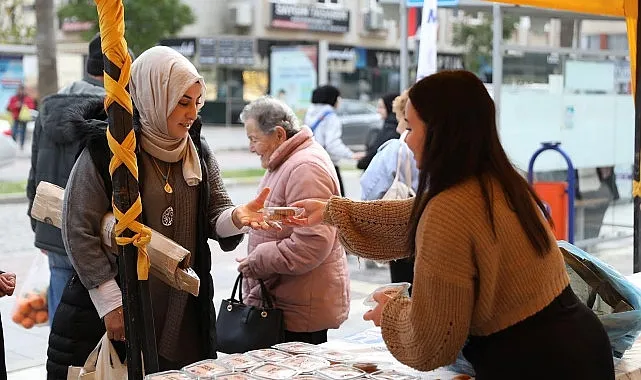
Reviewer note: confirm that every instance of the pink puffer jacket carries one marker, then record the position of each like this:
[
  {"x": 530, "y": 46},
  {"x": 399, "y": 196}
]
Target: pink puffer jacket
[{"x": 304, "y": 269}]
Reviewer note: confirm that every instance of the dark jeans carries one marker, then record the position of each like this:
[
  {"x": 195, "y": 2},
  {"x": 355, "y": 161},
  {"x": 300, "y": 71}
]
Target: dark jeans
[
  {"x": 316, "y": 337},
  {"x": 565, "y": 340},
  {"x": 340, "y": 181},
  {"x": 18, "y": 132},
  {"x": 3, "y": 365}
]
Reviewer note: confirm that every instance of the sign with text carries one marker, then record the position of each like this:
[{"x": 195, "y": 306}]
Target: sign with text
[
  {"x": 309, "y": 17},
  {"x": 185, "y": 46},
  {"x": 441, "y": 3},
  {"x": 391, "y": 59},
  {"x": 427, "y": 62},
  {"x": 419, "y": 3},
  {"x": 226, "y": 51}
]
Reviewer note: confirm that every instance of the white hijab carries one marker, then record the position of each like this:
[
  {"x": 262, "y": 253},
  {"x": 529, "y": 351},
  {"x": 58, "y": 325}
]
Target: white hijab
[{"x": 160, "y": 76}]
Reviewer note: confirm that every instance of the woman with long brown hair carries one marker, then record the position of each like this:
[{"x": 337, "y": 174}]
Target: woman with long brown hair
[{"x": 488, "y": 277}]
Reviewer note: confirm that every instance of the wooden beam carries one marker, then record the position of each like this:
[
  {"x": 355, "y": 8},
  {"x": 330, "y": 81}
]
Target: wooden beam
[
  {"x": 138, "y": 313},
  {"x": 637, "y": 149}
]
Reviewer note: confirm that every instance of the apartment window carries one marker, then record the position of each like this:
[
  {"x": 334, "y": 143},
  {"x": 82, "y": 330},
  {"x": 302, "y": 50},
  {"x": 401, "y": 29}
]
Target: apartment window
[
  {"x": 335, "y": 2},
  {"x": 618, "y": 42}
]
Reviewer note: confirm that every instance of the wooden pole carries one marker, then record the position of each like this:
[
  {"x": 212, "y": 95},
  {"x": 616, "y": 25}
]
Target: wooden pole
[
  {"x": 637, "y": 150},
  {"x": 138, "y": 314}
]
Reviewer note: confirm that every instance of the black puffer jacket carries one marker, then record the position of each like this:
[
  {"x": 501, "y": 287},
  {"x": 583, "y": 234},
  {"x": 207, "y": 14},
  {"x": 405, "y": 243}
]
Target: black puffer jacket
[
  {"x": 54, "y": 151},
  {"x": 76, "y": 327}
]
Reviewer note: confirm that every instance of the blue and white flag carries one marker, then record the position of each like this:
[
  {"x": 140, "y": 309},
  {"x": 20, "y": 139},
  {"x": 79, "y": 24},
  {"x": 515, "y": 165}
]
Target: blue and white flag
[{"x": 427, "y": 46}]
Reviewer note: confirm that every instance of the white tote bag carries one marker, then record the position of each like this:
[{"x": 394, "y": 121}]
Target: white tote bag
[
  {"x": 400, "y": 189},
  {"x": 102, "y": 363}
]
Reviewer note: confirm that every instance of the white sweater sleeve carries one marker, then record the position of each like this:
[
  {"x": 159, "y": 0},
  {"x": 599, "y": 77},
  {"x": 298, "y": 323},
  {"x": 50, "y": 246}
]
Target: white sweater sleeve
[{"x": 106, "y": 297}]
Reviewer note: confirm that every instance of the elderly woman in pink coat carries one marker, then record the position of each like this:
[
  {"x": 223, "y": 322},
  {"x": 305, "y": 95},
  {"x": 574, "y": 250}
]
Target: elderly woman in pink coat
[{"x": 304, "y": 269}]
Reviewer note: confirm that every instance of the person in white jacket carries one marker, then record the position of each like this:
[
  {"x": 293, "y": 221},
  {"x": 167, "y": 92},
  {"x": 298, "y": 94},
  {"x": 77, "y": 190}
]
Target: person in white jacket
[{"x": 322, "y": 119}]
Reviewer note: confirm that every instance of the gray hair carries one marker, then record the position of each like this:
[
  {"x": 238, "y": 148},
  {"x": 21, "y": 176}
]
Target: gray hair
[{"x": 269, "y": 113}]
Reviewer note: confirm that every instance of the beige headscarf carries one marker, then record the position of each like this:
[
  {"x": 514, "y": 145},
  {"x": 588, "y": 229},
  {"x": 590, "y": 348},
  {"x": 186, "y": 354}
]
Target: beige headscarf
[{"x": 160, "y": 76}]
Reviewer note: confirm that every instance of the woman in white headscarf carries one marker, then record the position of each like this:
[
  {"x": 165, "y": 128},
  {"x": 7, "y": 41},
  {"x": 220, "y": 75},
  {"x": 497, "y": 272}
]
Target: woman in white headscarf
[{"x": 183, "y": 198}]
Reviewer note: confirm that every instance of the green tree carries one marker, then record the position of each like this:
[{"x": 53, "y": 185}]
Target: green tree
[
  {"x": 478, "y": 40},
  {"x": 13, "y": 29},
  {"x": 146, "y": 21}
]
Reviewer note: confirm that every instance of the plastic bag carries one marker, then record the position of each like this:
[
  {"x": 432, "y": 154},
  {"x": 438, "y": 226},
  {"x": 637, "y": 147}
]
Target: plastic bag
[
  {"x": 102, "y": 363},
  {"x": 620, "y": 309},
  {"x": 25, "y": 114},
  {"x": 31, "y": 301}
]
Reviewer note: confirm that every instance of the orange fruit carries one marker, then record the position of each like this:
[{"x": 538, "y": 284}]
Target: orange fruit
[
  {"x": 24, "y": 307},
  {"x": 28, "y": 323},
  {"x": 37, "y": 302},
  {"x": 42, "y": 316},
  {"x": 17, "y": 317}
]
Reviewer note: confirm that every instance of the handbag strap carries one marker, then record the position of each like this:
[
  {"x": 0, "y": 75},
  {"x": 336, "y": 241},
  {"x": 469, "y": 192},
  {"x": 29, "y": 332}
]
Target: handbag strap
[
  {"x": 320, "y": 119},
  {"x": 238, "y": 285},
  {"x": 267, "y": 298},
  {"x": 407, "y": 166}
]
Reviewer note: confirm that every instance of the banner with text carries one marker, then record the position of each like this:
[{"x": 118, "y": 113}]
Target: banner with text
[{"x": 427, "y": 64}]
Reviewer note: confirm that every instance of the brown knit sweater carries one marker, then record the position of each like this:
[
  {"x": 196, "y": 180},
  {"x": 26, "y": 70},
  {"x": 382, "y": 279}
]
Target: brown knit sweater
[{"x": 466, "y": 280}]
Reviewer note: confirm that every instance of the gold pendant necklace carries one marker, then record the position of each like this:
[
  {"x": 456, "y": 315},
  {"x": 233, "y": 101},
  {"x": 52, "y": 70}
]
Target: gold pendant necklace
[
  {"x": 167, "y": 217},
  {"x": 168, "y": 189}
]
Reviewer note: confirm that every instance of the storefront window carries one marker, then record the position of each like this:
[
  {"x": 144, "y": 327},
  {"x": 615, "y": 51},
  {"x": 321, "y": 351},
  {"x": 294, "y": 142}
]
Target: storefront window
[
  {"x": 209, "y": 74},
  {"x": 255, "y": 84},
  {"x": 530, "y": 67},
  {"x": 366, "y": 84},
  {"x": 537, "y": 68}
]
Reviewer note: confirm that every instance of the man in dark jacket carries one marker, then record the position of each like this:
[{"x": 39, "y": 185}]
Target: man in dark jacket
[
  {"x": 54, "y": 152},
  {"x": 388, "y": 131}
]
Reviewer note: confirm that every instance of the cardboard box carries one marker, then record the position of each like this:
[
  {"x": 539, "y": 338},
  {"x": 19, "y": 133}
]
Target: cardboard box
[{"x": 169, "y": 261}]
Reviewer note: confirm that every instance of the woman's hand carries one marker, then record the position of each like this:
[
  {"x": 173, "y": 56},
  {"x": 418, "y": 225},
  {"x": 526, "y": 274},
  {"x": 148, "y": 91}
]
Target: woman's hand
[
  {"x": 250, "y": 214},
  {"x": 313, "y": 214},
  {"x": 7, "y": 284},
  {"x": 115, "y": 325},
  {"x": 244, "y": 268},
  {"x": 374, "y": 315}
]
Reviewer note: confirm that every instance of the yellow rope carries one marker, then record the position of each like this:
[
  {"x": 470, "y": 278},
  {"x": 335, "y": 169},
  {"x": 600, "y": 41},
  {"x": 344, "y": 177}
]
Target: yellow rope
[
  {"x": 114, "y": 47},
  {"x": 125, "y": 154}
]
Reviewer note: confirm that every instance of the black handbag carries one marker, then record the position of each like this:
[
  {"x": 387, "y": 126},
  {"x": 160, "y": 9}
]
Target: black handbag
[{"x": 241, "y": 328}]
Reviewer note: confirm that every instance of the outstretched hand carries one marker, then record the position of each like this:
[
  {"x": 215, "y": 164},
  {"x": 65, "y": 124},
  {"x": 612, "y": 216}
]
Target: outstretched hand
[
  {"x": 375, "y": 314},
  {"x": 250, "y": 215},
  {"x": 313, "y": 214}
]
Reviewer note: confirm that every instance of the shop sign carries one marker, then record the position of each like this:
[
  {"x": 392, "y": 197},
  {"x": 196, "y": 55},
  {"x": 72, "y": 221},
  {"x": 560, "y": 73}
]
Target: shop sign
[
  {"x": 226, "y": 51},
  {"x": 185, "y": 46},
  {"x": 311, "y": 18},
  {"x": 449, "y": 62},
  {"x": 390, "y": 59},
  {"x": 70, "y": 25},
  {"x": 341, "y": 60}
]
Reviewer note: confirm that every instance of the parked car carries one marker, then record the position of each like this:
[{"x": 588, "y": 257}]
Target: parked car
[{"x": 360, "y": 121}]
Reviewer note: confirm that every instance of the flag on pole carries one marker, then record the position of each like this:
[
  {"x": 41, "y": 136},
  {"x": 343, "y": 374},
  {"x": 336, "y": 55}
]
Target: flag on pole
[{"x": 427, "y": 44}]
